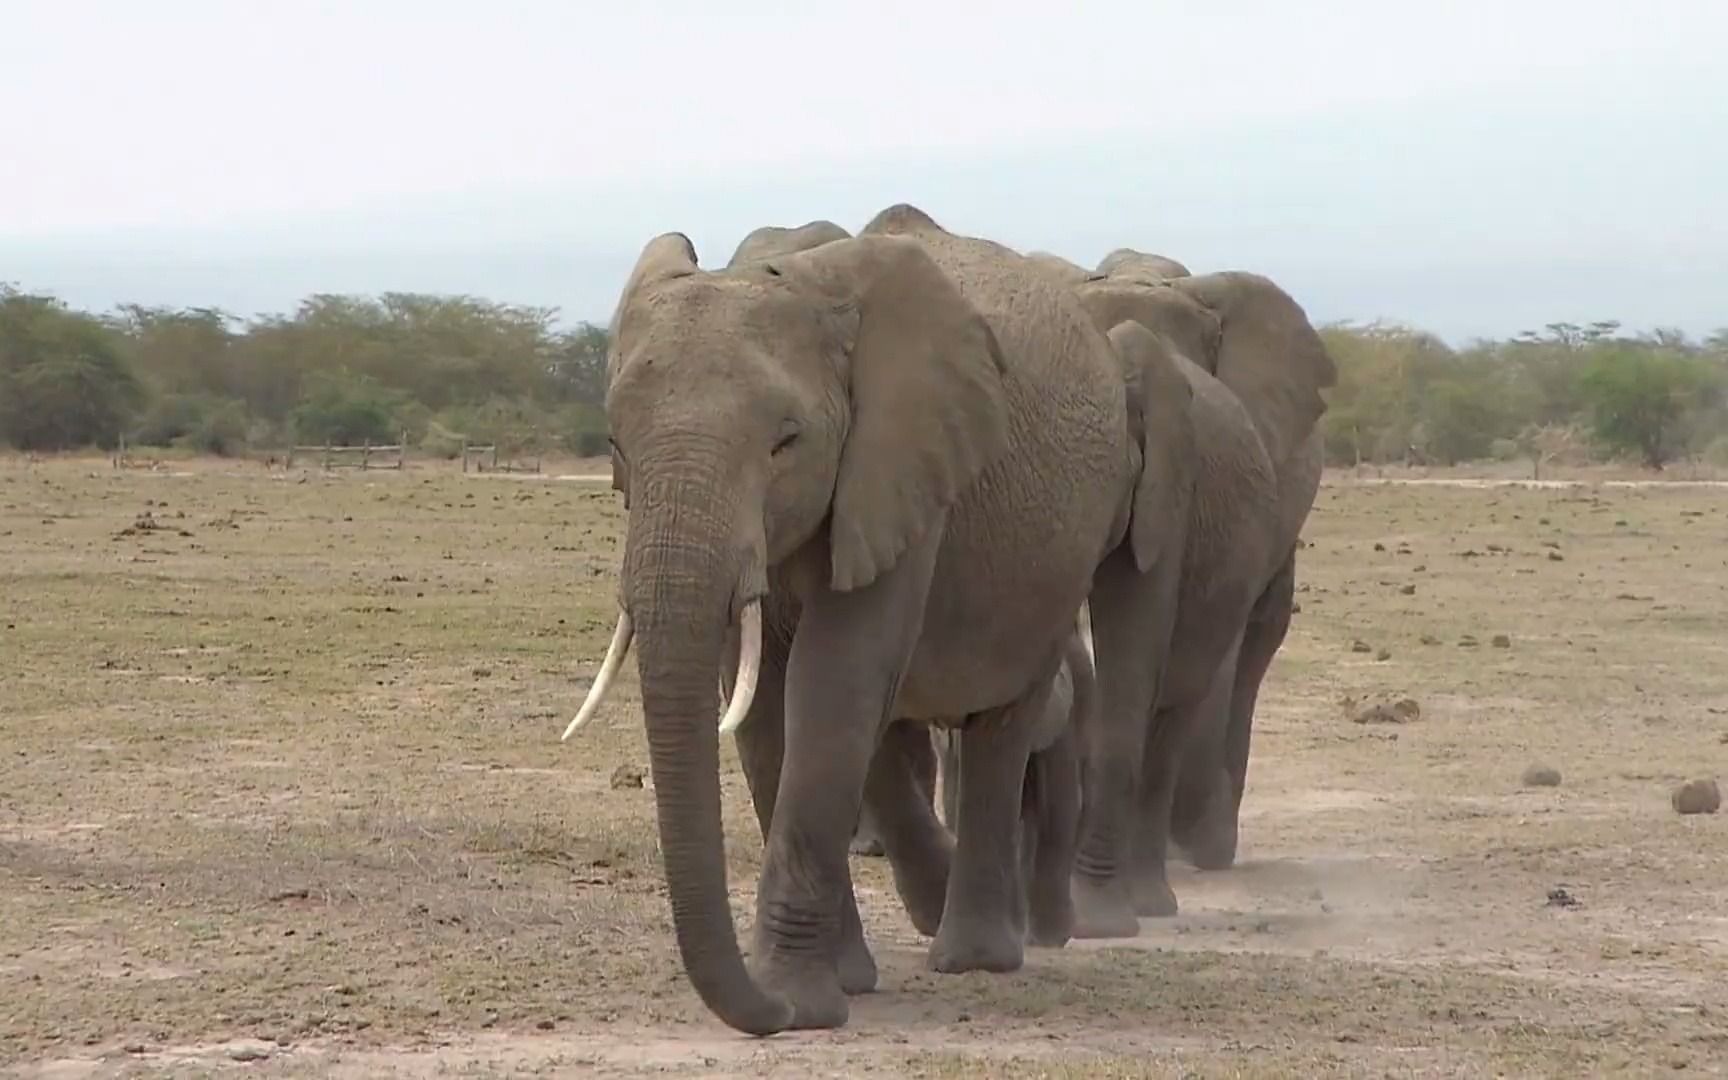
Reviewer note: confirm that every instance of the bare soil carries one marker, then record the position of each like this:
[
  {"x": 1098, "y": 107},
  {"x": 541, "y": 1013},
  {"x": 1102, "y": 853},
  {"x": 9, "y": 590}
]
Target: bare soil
[{"x": 281, "y": 791}]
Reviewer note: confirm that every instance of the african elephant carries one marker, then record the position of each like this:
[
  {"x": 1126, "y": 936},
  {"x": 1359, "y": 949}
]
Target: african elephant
[
  {"x": 1225, "y": 374},
  {"x": 883, "y": 470}
]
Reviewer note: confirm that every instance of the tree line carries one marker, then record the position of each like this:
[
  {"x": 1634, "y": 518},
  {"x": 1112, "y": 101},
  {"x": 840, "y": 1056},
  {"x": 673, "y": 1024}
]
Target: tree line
[
  {"x": 339, "y": 369},
  {"x": 1567, "y": 392},
  {"x": 438, "y": 369}
]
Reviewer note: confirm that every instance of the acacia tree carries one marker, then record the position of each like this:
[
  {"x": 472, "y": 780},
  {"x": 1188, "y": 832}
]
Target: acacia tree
[
  {"x": 63, "y": 380},
  {"x": 1638, "y": 399}
]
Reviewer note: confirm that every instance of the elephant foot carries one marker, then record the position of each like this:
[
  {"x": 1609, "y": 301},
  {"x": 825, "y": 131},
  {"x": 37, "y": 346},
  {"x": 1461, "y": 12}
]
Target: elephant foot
[
  {"x": 1153, "y": 897},
  {"x": 812, "y": 988},
  {"x": 977, "y": 945},
  {"x": 857, "y": 968},
  {"x": 1209, "y": 841},
  {"x": 923, "y": 890},
  {"x": 1210, "y": 846},
  {"x": 1103, "y": 909},
  {"x": 1052, "y": 922}
]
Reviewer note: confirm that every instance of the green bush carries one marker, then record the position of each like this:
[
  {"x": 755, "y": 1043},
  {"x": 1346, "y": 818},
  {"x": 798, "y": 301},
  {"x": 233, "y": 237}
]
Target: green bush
[
  {"x": 345, "y": 409},
  {"x": 201, "y": 422},
  {"x": 63, "y": 380}
]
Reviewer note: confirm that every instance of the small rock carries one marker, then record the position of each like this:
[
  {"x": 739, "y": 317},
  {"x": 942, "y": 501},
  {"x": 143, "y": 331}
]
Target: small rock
[
  {"x": 1379, "y": 547},
  {"x": 1383, "y": 655},
  {"x": 1696, "y": 797},
  {"x": 1468, "y": 641},
  {"x": 1361, "y": 646},
  {"x": 1560, "y": 898},
  {"x": 1555, "y": 556},
  {"x": 1430, "y": 639},
  {"x": 545, "y": 1025},
  {"x": 627, "y": 776},
  {"x": 251, "y": 1051},
  {"x": 1408, "y": 590},
  {"x": 482, "y": 673},
  {"x": 1401, "y": 711},
  {"x": 1541, "y": 776},
  {"x": 1501, "y": 641}
]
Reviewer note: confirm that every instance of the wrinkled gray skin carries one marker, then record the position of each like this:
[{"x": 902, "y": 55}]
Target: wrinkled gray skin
[
  {"x": 1063, "y": 270},
  {"x": 773, "y": 240},
  {"x": 912, "y": 448},
  {"x": 1225, "y": 373},
  {"x": 1125, "y": 262}
]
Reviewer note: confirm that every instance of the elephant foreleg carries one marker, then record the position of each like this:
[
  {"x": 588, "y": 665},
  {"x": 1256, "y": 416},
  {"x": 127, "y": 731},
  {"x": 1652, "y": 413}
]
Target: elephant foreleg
[
  {"x": 847, "y": 660},
  {"x": 761, "y": 742}
]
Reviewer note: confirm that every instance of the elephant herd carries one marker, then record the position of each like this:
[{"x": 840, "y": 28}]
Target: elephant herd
[{"x": 908, "y": 496}]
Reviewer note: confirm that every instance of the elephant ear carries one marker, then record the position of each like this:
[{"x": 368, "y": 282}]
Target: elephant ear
[
  {"x": 667, "y": 256},
  {"x": 773, "y": 240},
  {"x": 1161, "y": 400},
  {"x": 1269, "y": 355},
  {"x": 1185, "y": 325},
  {"x": 926, "y": 383}
]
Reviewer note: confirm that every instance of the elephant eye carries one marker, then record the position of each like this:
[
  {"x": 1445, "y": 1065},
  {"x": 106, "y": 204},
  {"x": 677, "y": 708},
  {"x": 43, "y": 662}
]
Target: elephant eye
[{"x": 787, "y": 437}]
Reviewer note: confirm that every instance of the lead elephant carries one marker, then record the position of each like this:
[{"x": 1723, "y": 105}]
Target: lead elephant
[
  {"x": 883, "y": 470},
  {"x": 1240, "y": 452}
]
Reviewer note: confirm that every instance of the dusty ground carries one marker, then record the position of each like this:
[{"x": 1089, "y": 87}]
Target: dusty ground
[{"x": 280, "y": 784}]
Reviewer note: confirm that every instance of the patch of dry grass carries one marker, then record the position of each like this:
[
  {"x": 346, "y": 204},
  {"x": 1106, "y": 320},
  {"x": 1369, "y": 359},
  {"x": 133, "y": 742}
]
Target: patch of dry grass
[{"x": 281, "y": 762}]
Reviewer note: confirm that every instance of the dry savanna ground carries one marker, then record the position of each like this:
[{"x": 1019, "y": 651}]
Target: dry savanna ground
[{"x": 281, "y": 792}]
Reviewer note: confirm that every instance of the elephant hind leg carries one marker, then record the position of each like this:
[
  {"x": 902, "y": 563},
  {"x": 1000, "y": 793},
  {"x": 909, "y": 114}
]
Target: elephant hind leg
[
  {"x": 1173, "y": 730},
  {"x": 1210, "y": 834},
  {"x": 919, "y": 849}
]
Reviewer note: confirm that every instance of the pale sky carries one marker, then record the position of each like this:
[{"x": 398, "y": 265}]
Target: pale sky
[{"x": 1470, "y": 167}]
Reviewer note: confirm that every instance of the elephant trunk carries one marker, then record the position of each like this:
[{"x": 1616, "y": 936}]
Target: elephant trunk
[{"x": 681, "y": 577}]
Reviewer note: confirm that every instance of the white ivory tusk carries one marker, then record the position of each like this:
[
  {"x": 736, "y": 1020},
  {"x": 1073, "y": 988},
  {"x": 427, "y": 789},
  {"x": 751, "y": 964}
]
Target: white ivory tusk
[
  {"x": 1083, "y": 620},
  {"x": 749, "y": 666},
  {"x": 608, "y": 670}
]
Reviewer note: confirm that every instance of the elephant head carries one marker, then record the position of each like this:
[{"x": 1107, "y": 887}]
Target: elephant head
[
  {"x": 772, "y": 240},
  {"x": 816, "y": 411},
  {"x": 1243, "y": 329},
  {"x": 1129, "y": 263}
]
